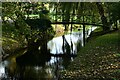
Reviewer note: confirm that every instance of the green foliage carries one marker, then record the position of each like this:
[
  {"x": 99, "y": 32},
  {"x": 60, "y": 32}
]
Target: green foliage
[
  {"x": 115, "y": 10},
  {"x": 9, "y": 45},
  {"x": 14, "y": 27}
]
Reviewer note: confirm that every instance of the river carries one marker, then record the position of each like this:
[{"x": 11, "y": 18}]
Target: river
[{"x": 49, "y": 67}]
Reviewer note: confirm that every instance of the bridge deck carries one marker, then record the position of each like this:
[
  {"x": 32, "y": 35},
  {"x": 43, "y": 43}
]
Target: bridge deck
[{"x": 76, "y": 23}]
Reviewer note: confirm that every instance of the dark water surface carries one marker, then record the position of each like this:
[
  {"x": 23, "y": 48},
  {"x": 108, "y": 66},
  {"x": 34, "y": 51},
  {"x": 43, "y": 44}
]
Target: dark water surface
[{"x": 42, "y": 66}]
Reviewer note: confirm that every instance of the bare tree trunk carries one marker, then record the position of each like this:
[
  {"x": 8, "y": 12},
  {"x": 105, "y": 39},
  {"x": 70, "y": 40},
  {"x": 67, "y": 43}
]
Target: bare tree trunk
[{"x": 103, "y": 18}]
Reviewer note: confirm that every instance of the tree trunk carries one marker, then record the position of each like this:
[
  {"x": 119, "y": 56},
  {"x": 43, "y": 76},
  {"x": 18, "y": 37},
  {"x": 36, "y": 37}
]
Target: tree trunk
[{"x": 103, "y": 18}]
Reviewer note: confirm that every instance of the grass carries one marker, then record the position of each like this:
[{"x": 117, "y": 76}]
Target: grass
[{"x": 99, "y": 59}]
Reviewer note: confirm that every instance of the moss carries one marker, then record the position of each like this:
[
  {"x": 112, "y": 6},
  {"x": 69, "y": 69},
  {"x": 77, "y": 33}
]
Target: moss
[{"x": 9, "y": 44}]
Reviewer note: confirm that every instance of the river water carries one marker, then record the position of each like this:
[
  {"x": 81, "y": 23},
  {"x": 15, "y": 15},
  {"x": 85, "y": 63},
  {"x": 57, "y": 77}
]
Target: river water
[{"x": 49, "y": 67}]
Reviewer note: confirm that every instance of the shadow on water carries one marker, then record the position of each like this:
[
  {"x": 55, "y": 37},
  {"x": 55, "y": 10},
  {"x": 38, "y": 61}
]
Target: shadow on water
[
  {"x": 34, "y": 57},
  {"x": 38, "y": 63},
  {"x": 43, "y": 59}
]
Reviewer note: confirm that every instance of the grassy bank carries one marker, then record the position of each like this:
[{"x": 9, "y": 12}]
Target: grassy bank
[
  {"x": 9, "y": 44},
  {"x": 99, "y": 59}
]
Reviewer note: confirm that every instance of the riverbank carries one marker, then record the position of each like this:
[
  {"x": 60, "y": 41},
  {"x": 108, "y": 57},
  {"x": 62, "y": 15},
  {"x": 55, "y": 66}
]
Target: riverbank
[
  {"x": 99, "y": 59},
  {"x": 10, "y": 46}
]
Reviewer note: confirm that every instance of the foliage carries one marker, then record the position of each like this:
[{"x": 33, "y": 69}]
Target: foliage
[
  {"x": 13, "y": 22},
  {"x": 105, "y": 13},
  {"x": 14, "y": 15},
  {"x": 9, "y": 31},
  {"x": 62, "y": 11},
  {"x": 15, "y": 26},
  {"x": 114, "y": 10},
  {"x": 9, "y": 45}
]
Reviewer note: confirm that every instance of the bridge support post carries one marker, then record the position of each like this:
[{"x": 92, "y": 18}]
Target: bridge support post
[{"x": 83, "y": 34}]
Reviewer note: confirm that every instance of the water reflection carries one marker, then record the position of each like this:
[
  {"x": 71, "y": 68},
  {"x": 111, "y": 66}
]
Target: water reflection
[
  {"x": 40, "y": 64},
  {"x": 2, "y": 70},
  {"x": 55, "y": 45}
]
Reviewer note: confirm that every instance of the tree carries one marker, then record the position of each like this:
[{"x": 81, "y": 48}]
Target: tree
[
  {"x": 19, "y": 13},
  {"x": 114, "y": 11},
  {"x": 103, "y": 17}
]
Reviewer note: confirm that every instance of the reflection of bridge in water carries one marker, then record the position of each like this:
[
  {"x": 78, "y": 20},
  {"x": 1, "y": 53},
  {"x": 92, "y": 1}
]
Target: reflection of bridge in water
[{"x": 64, "y": 55}]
